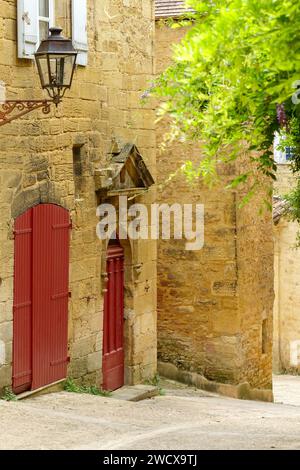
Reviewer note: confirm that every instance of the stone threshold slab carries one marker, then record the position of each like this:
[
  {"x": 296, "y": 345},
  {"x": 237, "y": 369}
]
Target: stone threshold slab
[{"x": 135, "y": 393}]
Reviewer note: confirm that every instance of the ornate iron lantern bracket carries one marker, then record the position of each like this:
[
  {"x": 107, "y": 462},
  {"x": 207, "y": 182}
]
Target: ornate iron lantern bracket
[
  {"x": 14, "y": 109},
  {"x": 56, "y": 63}
]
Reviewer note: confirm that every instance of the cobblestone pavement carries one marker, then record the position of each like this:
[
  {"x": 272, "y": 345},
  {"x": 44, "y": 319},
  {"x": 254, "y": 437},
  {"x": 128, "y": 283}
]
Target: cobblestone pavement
[{"x": 184, "y": 418}]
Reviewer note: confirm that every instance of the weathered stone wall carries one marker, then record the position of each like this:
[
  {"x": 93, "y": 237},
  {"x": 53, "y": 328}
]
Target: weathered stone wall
[
  {"x": 36, "y": 166},
  {"x": 255, "y": 289},
  {"x": 287, "y": 281},
  {"x": 212, "y": 302}
]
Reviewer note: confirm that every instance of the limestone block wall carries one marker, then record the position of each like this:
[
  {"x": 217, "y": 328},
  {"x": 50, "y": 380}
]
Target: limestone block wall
[
  {"x": 255, "y": 289},
  {"x": 287, "y": 282},
  {"x": 214, "y": 305},
  {"x": 36, "y": 166}
]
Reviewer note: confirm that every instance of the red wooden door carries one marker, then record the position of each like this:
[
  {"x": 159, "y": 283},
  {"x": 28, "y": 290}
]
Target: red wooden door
[
  {"x": 22, "y": 309},
  {"x": 51, "y": 226},
  {"x": 41, "y": 297},
  {"x": 113, "y": 347}
]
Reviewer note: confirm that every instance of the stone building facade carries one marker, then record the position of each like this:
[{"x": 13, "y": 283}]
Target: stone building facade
[
  {"x": 63, "y": 159},
  {"x": 287, "y": 279},
  {"x": 214, "y": 305}
]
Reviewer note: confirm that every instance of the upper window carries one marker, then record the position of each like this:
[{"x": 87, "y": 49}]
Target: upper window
[
  {"x": 284, "y": 154},
  {"x": 35, "y": 17}
]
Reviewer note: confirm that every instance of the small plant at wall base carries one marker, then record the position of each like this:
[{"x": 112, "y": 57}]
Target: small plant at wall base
[
  {"x": 71, "y": 386},
  {"x": 233, "y": 84},
  {"x": 156, "y": 382},
  {"x": 8, "y": 395}
]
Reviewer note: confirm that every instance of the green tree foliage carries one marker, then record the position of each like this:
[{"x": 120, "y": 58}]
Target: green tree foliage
[{"x": 232, "y": 82}]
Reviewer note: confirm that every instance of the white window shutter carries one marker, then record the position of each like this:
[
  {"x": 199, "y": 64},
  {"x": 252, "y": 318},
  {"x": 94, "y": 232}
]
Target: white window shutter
[
  {"x": 79, "y": 30},
  {"x": 28, "y": 28}
]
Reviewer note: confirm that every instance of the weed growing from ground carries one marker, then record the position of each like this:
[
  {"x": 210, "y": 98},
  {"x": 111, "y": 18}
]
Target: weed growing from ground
[
  {"x": 155, "y": 381},
  {"x": 71, "y": 386},
  {"x": 8, "y": 395}
]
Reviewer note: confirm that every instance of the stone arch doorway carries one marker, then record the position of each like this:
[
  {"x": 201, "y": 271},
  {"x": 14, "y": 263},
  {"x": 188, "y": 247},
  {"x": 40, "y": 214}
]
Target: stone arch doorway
[
  {"x": 122, "y": 248},
  {"x": 41, "y": 291}
]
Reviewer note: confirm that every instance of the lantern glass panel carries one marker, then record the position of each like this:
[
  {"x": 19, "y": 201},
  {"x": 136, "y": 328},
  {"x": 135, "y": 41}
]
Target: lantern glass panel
[
  {"x": 61, "y": 70},
  {"x": 42, "y": 63}
]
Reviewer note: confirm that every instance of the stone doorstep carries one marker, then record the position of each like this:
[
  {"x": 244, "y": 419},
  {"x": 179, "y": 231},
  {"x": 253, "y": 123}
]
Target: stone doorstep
[
  {"x": 52, "y": 388},
  {"x": 135, "y": 393}
]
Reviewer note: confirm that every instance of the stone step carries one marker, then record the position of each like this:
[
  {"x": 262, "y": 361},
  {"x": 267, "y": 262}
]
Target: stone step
[{"x": 135, "y": 392}]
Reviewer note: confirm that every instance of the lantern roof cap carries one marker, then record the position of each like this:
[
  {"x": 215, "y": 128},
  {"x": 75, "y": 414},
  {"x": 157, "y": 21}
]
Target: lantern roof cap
[{"x": 56, "y": 44}]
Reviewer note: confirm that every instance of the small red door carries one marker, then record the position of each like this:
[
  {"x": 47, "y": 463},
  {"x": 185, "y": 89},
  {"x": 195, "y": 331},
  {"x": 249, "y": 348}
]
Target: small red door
[
  {"x": 113, "y": 347},
  {"x": 40, "y": 332}
]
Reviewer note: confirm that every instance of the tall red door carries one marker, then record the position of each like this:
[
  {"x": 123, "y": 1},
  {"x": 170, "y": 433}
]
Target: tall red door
[
  {"x": 40, "y": 337},
  {"x": 113, "y": 342},
  {"x": 22, "y": 308}
]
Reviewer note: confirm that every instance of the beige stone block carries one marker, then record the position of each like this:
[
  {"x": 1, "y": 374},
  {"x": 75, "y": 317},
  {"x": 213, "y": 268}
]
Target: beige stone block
[
  {"x": 83, "y": 347},
  {"x": 78, "y": 367},
  {"x": 6, "y": 332},
  {"x": 94, "y": 361},
  {"x": 6, "y": 291},
  {"x": 5, "y": 376}
]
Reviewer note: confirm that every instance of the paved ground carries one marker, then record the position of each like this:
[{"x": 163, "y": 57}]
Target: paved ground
[
  {"x": 287, "y": 389},
  {"x": 182, "y": 419}
]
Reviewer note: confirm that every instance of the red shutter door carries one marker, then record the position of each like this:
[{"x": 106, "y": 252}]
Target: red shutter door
[
  {"x": 113, "y": 349},
  {"x": 22, "y": 308},
  {"x": 40, "y": 331},
  {"x": 51, "y": 227}
]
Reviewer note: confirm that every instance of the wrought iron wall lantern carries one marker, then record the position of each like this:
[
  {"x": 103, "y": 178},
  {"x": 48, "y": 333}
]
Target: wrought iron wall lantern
[{"x": 56, "y": 62}]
